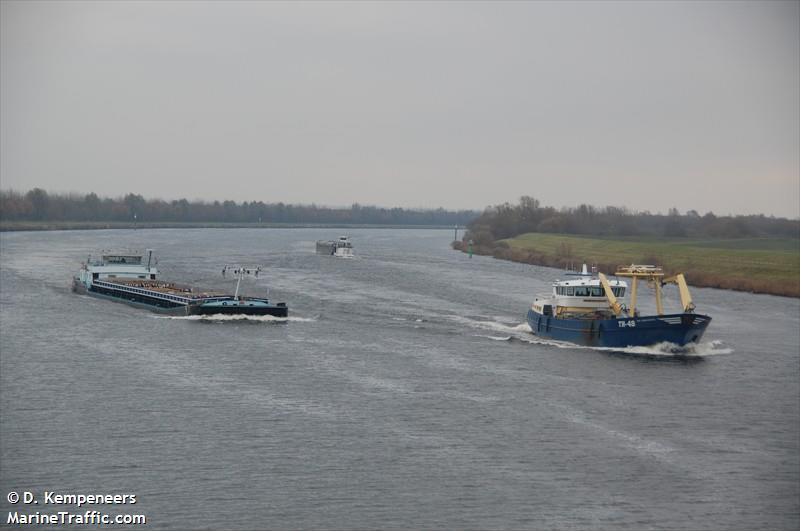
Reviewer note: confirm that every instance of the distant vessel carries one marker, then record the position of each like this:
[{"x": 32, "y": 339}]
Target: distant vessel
[
  {"x": 587, "y": 311},
  {"x": 341, "y": 247},
  {"x": 127, "y": 277}
]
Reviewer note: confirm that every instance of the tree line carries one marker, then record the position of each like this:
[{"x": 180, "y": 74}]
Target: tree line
[
  {"x": 39, "y": 205},
  {"x": 507, "y": 220}
]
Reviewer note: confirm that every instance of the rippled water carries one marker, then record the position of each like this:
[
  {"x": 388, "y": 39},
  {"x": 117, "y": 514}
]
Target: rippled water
[{"x": 405, "y": 391}]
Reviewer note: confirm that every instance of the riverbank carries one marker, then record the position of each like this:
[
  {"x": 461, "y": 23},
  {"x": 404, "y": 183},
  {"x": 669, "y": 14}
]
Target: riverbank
[
  {"x": 757, "y": 265},
  {"x": 6, "y": 226}
]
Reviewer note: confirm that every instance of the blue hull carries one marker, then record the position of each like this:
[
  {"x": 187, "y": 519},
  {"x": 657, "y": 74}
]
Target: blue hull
[{"x": 678, "y": 328}]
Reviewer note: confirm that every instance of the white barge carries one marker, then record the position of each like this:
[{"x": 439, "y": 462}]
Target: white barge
[{"x": 342, "y": 248}]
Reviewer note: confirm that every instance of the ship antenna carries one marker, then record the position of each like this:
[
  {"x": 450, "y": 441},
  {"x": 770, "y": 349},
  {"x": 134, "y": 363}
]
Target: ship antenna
[
  {"x": 238, "y": 282},
  {"x": 240, "y": 271}
]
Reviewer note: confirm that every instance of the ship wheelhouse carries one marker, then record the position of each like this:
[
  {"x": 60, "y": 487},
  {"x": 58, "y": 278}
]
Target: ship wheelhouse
[
  {"x": 344, "y": 242},
  {"x": 581, "y": 297},
  {"x": 119, "y": 265}
]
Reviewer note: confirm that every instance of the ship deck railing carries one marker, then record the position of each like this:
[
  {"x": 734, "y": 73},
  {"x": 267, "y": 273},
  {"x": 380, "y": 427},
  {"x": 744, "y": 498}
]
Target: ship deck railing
[
  {"x": 182, "y": 295},
  {"x": 164, "y": 295},
  {"x": 170, "y": 288}
]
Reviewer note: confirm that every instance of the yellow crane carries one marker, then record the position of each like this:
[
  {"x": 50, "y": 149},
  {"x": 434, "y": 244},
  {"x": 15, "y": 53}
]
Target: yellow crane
[
  {"x": 683, "y": 288},
  {"x": 616, "y": 307},
  {"x": 654, "y": 276}
]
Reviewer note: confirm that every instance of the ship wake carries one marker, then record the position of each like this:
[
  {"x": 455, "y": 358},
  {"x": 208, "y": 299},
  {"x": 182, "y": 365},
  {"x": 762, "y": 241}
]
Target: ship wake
[{"x": 666, "y": 349}]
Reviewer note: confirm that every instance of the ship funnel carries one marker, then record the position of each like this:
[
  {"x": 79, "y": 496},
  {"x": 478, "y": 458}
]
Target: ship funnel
[{"x": 584, "y": 271}]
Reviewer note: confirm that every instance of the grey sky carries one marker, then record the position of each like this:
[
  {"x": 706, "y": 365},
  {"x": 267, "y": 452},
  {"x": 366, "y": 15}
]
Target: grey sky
[{"x": 646, "y": 105}]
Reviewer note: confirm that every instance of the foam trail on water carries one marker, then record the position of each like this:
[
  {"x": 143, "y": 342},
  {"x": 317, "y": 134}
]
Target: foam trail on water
[
  {"x": 699, "y": 350},
  {"x": 521, "y": 332},
  {"x": 712, "y": 348},
  {"x": 493, "y": 325},
  {"x": 495, "y": 338}
]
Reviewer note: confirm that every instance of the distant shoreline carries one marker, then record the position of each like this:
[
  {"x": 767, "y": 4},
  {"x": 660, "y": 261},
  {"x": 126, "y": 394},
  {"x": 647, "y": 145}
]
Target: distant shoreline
[
  {"x": 768, "y": 266},
  {"x": 31, "y": 226}
]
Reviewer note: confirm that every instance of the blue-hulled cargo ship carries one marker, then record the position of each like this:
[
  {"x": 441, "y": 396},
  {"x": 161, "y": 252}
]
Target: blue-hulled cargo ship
[
  {"x": 586, "y": 310},
  {"x": 128, "y": 277}
]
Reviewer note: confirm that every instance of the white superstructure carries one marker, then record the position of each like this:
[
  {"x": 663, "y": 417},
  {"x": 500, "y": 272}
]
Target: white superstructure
[
  {"x": 341, "y": 248},
  {"x": 580, "y": 295},
  {"x": 123, "y": 265}
]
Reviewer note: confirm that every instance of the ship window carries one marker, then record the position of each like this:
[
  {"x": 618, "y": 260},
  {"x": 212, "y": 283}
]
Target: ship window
[
  {"x": 581, "y": 292},
  {"x": 570, "y": 291},
  {"x": 597, "y": 292}
]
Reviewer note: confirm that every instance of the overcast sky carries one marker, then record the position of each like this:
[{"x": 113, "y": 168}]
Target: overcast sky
[{"x": 639, "y": 104}]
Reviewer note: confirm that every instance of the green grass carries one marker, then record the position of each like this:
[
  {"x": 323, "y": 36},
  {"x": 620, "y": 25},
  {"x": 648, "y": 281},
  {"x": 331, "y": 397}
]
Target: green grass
[{"x": 754, "y": 262}]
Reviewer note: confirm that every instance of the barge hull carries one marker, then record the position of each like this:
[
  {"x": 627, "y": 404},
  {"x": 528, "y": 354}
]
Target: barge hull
[
  {"x": 156, "y": 302},
  {"x": 274, "y": 311}
]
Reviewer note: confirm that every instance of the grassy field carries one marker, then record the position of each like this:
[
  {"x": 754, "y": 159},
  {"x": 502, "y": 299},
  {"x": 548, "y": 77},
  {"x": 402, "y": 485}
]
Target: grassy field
[{"x": 763, "y": 265}]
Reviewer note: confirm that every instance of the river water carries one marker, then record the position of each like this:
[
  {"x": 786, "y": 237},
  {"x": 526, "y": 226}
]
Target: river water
[{"x": 404, "y": 392}]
